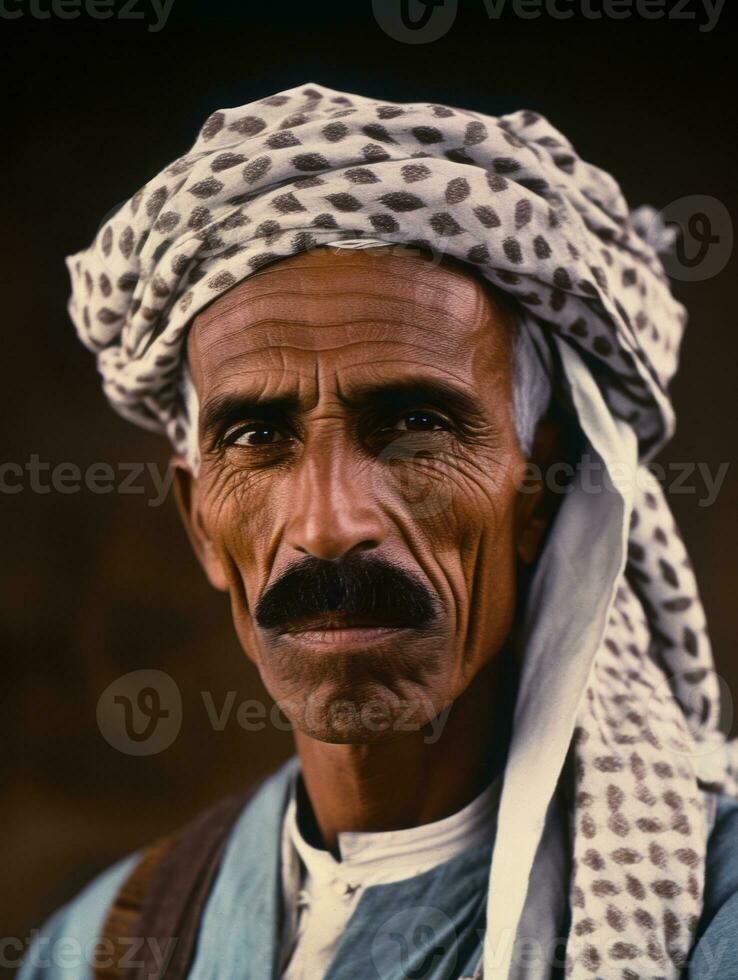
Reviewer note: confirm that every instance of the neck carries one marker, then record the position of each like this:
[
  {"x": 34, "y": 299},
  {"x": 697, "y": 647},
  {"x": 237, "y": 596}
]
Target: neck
[{"x": 418, "y": 777}]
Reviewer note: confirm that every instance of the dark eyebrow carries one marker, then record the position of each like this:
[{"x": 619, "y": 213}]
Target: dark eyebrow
[
  {"x": 399, "y": 393},
  {"x": 389, "y": 395},
  {"x": 225, "y": 410}
]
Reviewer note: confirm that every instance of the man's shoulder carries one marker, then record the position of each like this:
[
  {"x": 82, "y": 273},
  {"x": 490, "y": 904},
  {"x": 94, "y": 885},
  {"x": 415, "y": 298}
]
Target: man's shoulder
[
  {"x": 715, "y": 954},
  {"x": 64, "y": 947},
  {"x": 721, "y": 865},
  {"x": 726, "y": 815}
]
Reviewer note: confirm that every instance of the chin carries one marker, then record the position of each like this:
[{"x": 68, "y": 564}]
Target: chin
[
  {"x": 367, "y": 717},
  {"x": 363, "y": 695},
  {"x": 353, "y": 703}
]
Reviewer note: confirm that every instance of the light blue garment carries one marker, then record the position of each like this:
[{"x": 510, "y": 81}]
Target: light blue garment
[
  {"x": 239, "y": 931},
  {"x": 428, "y": 927},
  {"x": 715, "y": 954},
  {"x": 65, "y": 945}
]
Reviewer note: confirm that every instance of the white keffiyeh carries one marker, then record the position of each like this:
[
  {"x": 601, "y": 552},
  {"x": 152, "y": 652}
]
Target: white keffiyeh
[{"x": 618, "y": 690}]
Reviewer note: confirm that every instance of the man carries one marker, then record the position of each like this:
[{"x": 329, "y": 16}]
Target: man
[{"x": 412, "y": 360}]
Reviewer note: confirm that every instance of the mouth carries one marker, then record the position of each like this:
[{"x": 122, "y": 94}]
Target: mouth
[{"x": 336, "y": 631}]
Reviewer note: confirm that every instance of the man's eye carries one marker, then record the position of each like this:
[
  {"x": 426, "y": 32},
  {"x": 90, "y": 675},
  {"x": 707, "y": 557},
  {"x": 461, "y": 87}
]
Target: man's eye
[
  {"x": 253, "y": 435},
  {"x": 419, "y": 420}
]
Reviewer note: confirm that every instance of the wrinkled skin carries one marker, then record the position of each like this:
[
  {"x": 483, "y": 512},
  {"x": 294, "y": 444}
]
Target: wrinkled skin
[{"x": 434, "y": 496}]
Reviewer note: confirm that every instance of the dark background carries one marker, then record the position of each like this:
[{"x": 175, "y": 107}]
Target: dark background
[{"x": 95, "y": 585}]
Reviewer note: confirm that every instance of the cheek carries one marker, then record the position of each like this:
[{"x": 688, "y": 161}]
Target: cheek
[
  {"x": 462, "y": 515},
  {"x": 456, "y": 499},
  {"x": 239, "y": 519},
  {"x": 477, "y": 546}
]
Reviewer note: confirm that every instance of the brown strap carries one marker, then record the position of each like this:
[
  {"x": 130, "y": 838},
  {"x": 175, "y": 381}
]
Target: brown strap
[
  {"x": 120, "y": 928},
  {"x": 153, "y": 921}
]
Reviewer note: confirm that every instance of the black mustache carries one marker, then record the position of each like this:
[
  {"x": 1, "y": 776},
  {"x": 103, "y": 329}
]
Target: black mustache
[{"x": 354, "y": 586}]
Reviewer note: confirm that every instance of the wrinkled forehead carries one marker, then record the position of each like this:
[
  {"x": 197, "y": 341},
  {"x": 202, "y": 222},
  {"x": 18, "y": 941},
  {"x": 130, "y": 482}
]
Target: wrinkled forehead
[{"x": 345, "y": 309}]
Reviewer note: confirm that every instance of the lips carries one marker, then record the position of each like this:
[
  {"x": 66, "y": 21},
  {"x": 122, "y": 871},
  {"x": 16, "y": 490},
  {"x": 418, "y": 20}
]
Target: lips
[
  {"x": 342, "y": 631},
  {"x": 333, "y": 620}
]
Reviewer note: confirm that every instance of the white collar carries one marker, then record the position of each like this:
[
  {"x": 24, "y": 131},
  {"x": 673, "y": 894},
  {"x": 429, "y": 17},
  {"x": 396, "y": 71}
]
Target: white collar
[{"x": 380, "y": 857}]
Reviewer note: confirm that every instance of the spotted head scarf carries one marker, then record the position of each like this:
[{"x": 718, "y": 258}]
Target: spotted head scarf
[{"x": 619, "y": 690}]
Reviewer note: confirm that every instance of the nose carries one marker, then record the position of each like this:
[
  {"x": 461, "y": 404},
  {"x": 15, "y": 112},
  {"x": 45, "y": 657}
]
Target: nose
[{"x": 333, "y": 509}]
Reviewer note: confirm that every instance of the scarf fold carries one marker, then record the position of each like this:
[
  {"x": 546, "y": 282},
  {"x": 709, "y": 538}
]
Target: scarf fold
[{"x": 624, "y": 686}]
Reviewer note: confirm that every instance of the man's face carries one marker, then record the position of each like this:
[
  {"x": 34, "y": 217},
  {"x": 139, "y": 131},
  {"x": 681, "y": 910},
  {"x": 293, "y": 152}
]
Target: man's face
[{"x": 360, "y": 469}]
